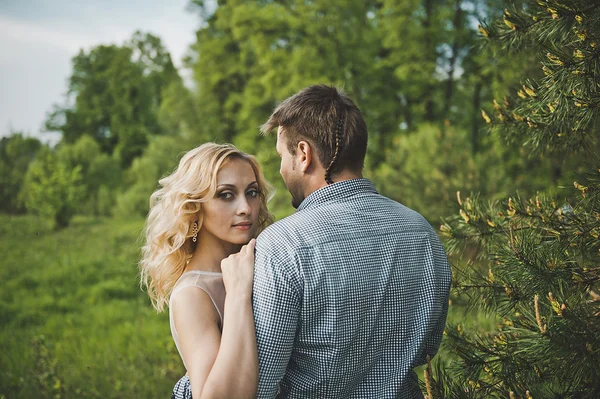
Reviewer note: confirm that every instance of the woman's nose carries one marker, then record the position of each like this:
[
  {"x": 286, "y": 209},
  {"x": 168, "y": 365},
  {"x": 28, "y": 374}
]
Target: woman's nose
[{"x": 243, "y": 207}]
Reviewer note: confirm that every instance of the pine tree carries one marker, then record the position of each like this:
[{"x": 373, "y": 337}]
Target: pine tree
[{"x": 537, "y": 268}]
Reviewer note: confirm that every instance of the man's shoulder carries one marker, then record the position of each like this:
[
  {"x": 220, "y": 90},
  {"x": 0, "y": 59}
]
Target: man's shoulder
[
  {"x": 405, "y": 212},
  {"x": 391, "y": 211},
  {"x": 370, "y": 211},
  {"x": 280, "y": 233}
]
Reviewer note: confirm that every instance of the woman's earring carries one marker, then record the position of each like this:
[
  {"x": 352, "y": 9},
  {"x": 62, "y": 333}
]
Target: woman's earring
[{"x": 195, "y": 232}]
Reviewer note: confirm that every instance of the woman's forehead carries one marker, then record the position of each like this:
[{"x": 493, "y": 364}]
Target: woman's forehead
[{"x": 235, "y": 172}]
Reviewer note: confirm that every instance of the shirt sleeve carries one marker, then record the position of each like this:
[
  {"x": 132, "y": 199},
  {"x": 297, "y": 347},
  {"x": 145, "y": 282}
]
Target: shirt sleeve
[
  {"x": 276, "y": 305},
  {"x": 443, "y": 281}
]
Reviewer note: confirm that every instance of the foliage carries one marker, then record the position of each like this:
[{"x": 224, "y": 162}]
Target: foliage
[
  {"x": 99, "y": 173},
  {"x": 425, "y": 169},
  {"x": 51, "y": 189},
  {"x": 542, "y": 253},
  {"x": 543, "y": 282},
  {"x": 115, "y": 93},
  {"x": 252, "y": 54},
  {"x": 16, "y": 153},
  {"x": 179, "y": 112},
  {"x": 46, "y": 366},
  {"x": 557, "y": 112},
  {"x": 424, "y": 172},
  {"x": 141, "y": 180}
]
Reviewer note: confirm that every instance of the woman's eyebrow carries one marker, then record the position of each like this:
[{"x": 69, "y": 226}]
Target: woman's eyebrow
[{"x": 227, "y": 185}]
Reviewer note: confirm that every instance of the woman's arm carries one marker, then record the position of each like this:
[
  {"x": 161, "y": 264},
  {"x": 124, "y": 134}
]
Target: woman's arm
[
  {"x": 235, "y": 371},
  {"x": 221, "y": 366},
  {"x": 197, "y": 324}
]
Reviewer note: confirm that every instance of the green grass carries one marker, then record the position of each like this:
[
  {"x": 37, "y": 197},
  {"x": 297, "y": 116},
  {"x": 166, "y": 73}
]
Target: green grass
[{"x": 74, "y": 322}]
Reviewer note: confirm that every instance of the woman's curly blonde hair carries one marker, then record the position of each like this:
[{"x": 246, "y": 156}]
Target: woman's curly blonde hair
[{"x": 177, "y": 205}]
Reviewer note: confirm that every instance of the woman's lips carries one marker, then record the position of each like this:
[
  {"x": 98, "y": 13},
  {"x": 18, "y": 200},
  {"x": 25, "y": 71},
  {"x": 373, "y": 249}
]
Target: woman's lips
[{"x": 243, "y": 225}]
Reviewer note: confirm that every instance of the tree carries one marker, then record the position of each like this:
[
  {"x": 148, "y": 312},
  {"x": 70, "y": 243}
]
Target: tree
[
  {"x": 180, "y": 113},
  {"x": 432, "y": 170},
  {"x": 539, "y": 257},
  {"x": 399, "y": 60},
  {"x": 51, "y": 189},
  {"x": 16, "y": 153},
  {"x": 100, "y": 174},
  {"x": 114, "y": 95}
]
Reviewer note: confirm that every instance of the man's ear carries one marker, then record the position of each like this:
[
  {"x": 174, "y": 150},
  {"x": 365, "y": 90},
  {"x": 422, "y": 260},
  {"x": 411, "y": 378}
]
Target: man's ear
[{"x": 304, "y": 155}]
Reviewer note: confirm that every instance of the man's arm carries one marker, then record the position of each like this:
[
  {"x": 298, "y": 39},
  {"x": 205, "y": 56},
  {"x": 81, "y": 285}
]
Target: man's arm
[
  {"x": 443, "y": 280},
  {"x": 276, "y": 304}
]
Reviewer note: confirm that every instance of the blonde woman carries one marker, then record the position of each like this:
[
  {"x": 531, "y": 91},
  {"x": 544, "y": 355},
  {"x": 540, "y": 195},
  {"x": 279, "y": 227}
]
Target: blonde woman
[{"x": 199, "y": 260}]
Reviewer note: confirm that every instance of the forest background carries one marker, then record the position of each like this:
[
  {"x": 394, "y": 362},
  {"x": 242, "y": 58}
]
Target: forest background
[{"x": 452, "y": 94}]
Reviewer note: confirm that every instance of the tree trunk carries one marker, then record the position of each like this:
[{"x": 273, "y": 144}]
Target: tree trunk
[
  {"x": 429, "y": 54},
  {"x": 457, "y": 22},
  {"x": 476, "y": 117}
]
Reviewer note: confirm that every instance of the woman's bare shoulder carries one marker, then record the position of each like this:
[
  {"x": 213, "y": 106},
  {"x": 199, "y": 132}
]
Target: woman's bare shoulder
[{"x": 193, "y": 304}]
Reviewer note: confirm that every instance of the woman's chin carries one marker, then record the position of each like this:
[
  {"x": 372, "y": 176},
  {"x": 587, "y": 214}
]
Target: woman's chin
[{"x": 243, "y": 240}]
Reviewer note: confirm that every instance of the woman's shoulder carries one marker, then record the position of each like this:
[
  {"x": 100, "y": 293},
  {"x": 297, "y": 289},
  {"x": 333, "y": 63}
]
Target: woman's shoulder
[
  {"x": 193, "y": 278},
  {"x": 192, "y": 312},
  {"x": 190, "y": 301},
  {"x": 189, "y": 293},
  {"x": 195, "y": 284},
  {"x": 196, "y": 278}
]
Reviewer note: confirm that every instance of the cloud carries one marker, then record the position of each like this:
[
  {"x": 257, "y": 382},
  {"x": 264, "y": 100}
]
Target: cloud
[{"x": 15, "y": 32}]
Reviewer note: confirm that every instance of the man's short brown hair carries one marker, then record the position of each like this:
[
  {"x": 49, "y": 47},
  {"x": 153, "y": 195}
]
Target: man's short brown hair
[{"x": 329, "y": 120}]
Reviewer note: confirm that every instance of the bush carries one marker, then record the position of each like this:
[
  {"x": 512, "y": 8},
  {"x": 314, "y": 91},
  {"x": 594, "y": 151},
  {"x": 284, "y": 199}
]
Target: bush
[
  {"x": 98, "y": 171},
  {"x": 16, "y": 153},
  {"x": 51, "y": 189}
]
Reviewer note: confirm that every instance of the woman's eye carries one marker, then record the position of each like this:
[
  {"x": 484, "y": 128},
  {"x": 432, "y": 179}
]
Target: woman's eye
[
  {"x": 253, "y": 193},
  {"x": 226, "y": 195}
]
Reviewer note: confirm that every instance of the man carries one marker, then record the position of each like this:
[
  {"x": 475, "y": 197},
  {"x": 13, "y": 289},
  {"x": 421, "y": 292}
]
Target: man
[{"x": 351, "y": 291}]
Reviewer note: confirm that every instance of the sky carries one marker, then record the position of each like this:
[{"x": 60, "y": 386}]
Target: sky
[{"x": 38, "y": 38}]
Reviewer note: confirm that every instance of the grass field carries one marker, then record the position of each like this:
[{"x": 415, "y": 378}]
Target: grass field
[{"x": 73, "y": 320}]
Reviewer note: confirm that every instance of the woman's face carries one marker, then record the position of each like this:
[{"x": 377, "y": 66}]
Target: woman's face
[{"x": 232, "y": 214}]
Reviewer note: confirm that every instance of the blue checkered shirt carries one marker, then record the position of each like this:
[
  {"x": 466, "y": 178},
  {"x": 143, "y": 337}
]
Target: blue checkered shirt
[{"x": 350, "y": 294}]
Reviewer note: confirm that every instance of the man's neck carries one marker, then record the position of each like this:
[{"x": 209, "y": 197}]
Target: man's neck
[
  {"x": 346, "y": 175},
  {"x": 317, "y": 181}
]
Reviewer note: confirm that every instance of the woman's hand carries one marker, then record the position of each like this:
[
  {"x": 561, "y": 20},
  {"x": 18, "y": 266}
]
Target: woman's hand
[{"x": 238, "y": 271}]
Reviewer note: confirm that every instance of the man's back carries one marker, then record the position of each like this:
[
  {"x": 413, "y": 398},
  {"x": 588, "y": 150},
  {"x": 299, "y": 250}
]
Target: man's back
[{"x": 350, "y": 295}]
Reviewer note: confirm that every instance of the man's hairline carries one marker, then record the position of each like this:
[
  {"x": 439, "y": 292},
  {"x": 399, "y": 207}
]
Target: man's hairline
[
  {"x": 269, "y": 126},
  {"x": 272, "y": 126}
]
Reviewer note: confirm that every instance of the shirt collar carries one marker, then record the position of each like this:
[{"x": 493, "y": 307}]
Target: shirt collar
[{"x": 336, "y": 191}]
